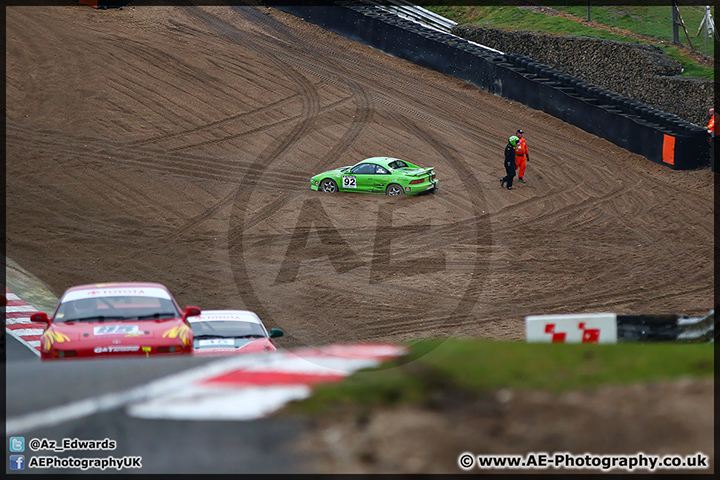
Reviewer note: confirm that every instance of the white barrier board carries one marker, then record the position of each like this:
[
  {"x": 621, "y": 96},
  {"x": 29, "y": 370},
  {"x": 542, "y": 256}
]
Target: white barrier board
[{"x": 572, "y": 328}]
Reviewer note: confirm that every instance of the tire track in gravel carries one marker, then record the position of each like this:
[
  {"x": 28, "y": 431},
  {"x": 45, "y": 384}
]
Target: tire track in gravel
[
  {"x": 119, "y": 202},
  {"x": 207, "y": 214},
  {"x": 152, "y": 65},
  {"x": 153, "y": 161},
  {"x": 154, "y": 93},
  {"x": 452, "y": 234},
  {"x": 266, "y": 44},
  {"x": 481, "y": 239},
  {"x": 573, "y": 209},
  {"x": 331, "y": 76},
  {"x": 399, "y": 87},
  {"x": 34, "y": 47},
  {"x": 370, "y": 75},
  {"x": 130, "y": 88},
  {"x": 579, "y": 213},
  {"x": 592, "y": 214},
  {"x": 117, "y": 195},
  {"x": 191, "y": 166},
  {"x": 303, "y": 51},
  {"x": 361, "y": 118},
  {"x": 279, "y": 104},
  {"x": 258, "y": 129},
  {"x": 330, "y": 72},
  {"x": 390, "y": 93},
  {"x": 310, "y": 109},
  {"x": 278, "y": 47}
]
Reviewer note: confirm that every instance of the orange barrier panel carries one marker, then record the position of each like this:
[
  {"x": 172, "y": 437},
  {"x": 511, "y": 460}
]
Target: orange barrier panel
[
  {"x": 669, "y": 149},
  {"x": 92, "y": 3}
]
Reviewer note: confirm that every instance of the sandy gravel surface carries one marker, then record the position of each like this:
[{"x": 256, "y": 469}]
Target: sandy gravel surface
[{"x": 175, "y": 144}]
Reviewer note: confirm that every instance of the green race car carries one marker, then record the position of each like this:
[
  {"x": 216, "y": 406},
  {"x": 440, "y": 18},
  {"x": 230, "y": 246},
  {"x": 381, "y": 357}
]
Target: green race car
[{"x": 387, "y": 175}]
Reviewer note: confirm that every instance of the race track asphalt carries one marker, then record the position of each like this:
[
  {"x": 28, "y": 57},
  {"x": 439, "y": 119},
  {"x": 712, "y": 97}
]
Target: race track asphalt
[{"x": 35, "y": 388}]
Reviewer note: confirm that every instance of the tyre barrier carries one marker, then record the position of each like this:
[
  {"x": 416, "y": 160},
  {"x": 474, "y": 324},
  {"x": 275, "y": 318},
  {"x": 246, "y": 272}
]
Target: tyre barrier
[
  {"x": 612, "y": 328},
  {"x": 634, "y": 126}
]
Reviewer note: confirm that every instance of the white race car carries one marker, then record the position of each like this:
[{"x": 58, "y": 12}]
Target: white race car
[{"x": 231, "y": 331}]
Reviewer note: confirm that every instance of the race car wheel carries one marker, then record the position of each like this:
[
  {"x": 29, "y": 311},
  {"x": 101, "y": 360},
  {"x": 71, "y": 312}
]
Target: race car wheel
[
  {"x": 393, "y": 189},
  {"x": 328, "y": 186}
]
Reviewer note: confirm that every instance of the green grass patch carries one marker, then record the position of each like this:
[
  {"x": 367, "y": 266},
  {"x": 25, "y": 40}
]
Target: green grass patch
[
  {"x": 473, "y": 367},
  {"x": 690, "y": 68},
  {"x": 514, "y": 19},
  {"x": 651, "y": 21}
]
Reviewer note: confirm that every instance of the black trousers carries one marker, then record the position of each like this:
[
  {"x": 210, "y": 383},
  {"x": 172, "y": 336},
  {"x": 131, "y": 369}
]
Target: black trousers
[{"x": 510, "y": 170}]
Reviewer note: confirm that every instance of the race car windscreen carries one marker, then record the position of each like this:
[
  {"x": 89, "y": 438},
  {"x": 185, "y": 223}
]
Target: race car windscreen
[
  {"x": 227, "y": 329},
  {"x": 116, "y": 308}
]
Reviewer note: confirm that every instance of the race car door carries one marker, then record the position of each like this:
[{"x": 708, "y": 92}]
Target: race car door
[
  {"x": 360, "y": 179},
  {"x": 382, "y": 179}
]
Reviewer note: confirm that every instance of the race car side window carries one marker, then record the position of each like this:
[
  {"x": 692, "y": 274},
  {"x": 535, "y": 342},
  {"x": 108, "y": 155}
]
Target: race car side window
[
  {"x": 381, "y": 170},
  {"x": 363, "y": 169}
]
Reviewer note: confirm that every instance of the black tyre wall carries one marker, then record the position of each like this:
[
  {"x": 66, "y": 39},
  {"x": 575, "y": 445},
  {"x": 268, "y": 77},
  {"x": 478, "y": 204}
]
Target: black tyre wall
[{"x": 622, "y": 121}]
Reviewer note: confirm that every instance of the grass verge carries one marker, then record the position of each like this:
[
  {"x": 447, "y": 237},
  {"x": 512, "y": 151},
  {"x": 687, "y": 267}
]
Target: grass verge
[
  {"x": 473, "y": 367},
  {"x": 647, "y": 21}
]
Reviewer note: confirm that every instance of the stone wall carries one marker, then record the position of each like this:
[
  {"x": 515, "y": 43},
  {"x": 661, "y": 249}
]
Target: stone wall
[{"x": 638, "y": 71}]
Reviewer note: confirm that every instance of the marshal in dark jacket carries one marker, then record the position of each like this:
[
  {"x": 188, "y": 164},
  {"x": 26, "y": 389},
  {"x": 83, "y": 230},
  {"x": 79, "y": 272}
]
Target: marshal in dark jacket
[{"x": 509, "y": 166}]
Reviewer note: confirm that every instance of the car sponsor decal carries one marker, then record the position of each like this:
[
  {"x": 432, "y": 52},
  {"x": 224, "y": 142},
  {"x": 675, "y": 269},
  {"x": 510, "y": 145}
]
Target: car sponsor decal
[
  {"x": 51, "y": 336},
  {"x": 216, "y": 341},
  {"x": 117, "y": 292},
  {"x": 116, "y": 330},
  {"x": 181, "y": 331},
  {"x": 349, "y": 182},
  {"x": 230, "y": 315},
  {"x": 119, "y": 349}
]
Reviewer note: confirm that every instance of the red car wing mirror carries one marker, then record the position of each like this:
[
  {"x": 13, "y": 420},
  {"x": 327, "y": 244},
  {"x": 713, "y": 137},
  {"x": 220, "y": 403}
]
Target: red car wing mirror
[
  {"x": 40, "y": 317},
  {"x": 190, "y": 311}
]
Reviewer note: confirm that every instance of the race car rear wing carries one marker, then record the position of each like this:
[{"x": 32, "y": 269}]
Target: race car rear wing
[{"x": 420, "y": 172}]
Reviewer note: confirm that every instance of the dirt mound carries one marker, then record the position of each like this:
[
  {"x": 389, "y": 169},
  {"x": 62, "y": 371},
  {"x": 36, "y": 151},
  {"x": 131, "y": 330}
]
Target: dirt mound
[{"x": 608, "y": 421}]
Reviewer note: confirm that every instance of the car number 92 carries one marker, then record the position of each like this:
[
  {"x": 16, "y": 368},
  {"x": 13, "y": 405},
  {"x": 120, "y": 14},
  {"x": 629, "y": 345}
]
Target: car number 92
[{"x": 349, "y": 182}]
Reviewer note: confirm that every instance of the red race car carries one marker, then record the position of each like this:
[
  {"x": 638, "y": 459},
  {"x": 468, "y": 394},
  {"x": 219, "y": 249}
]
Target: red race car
[
  {"x": 231, "y": 331},
  {"x": 116, "y": 319}
]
